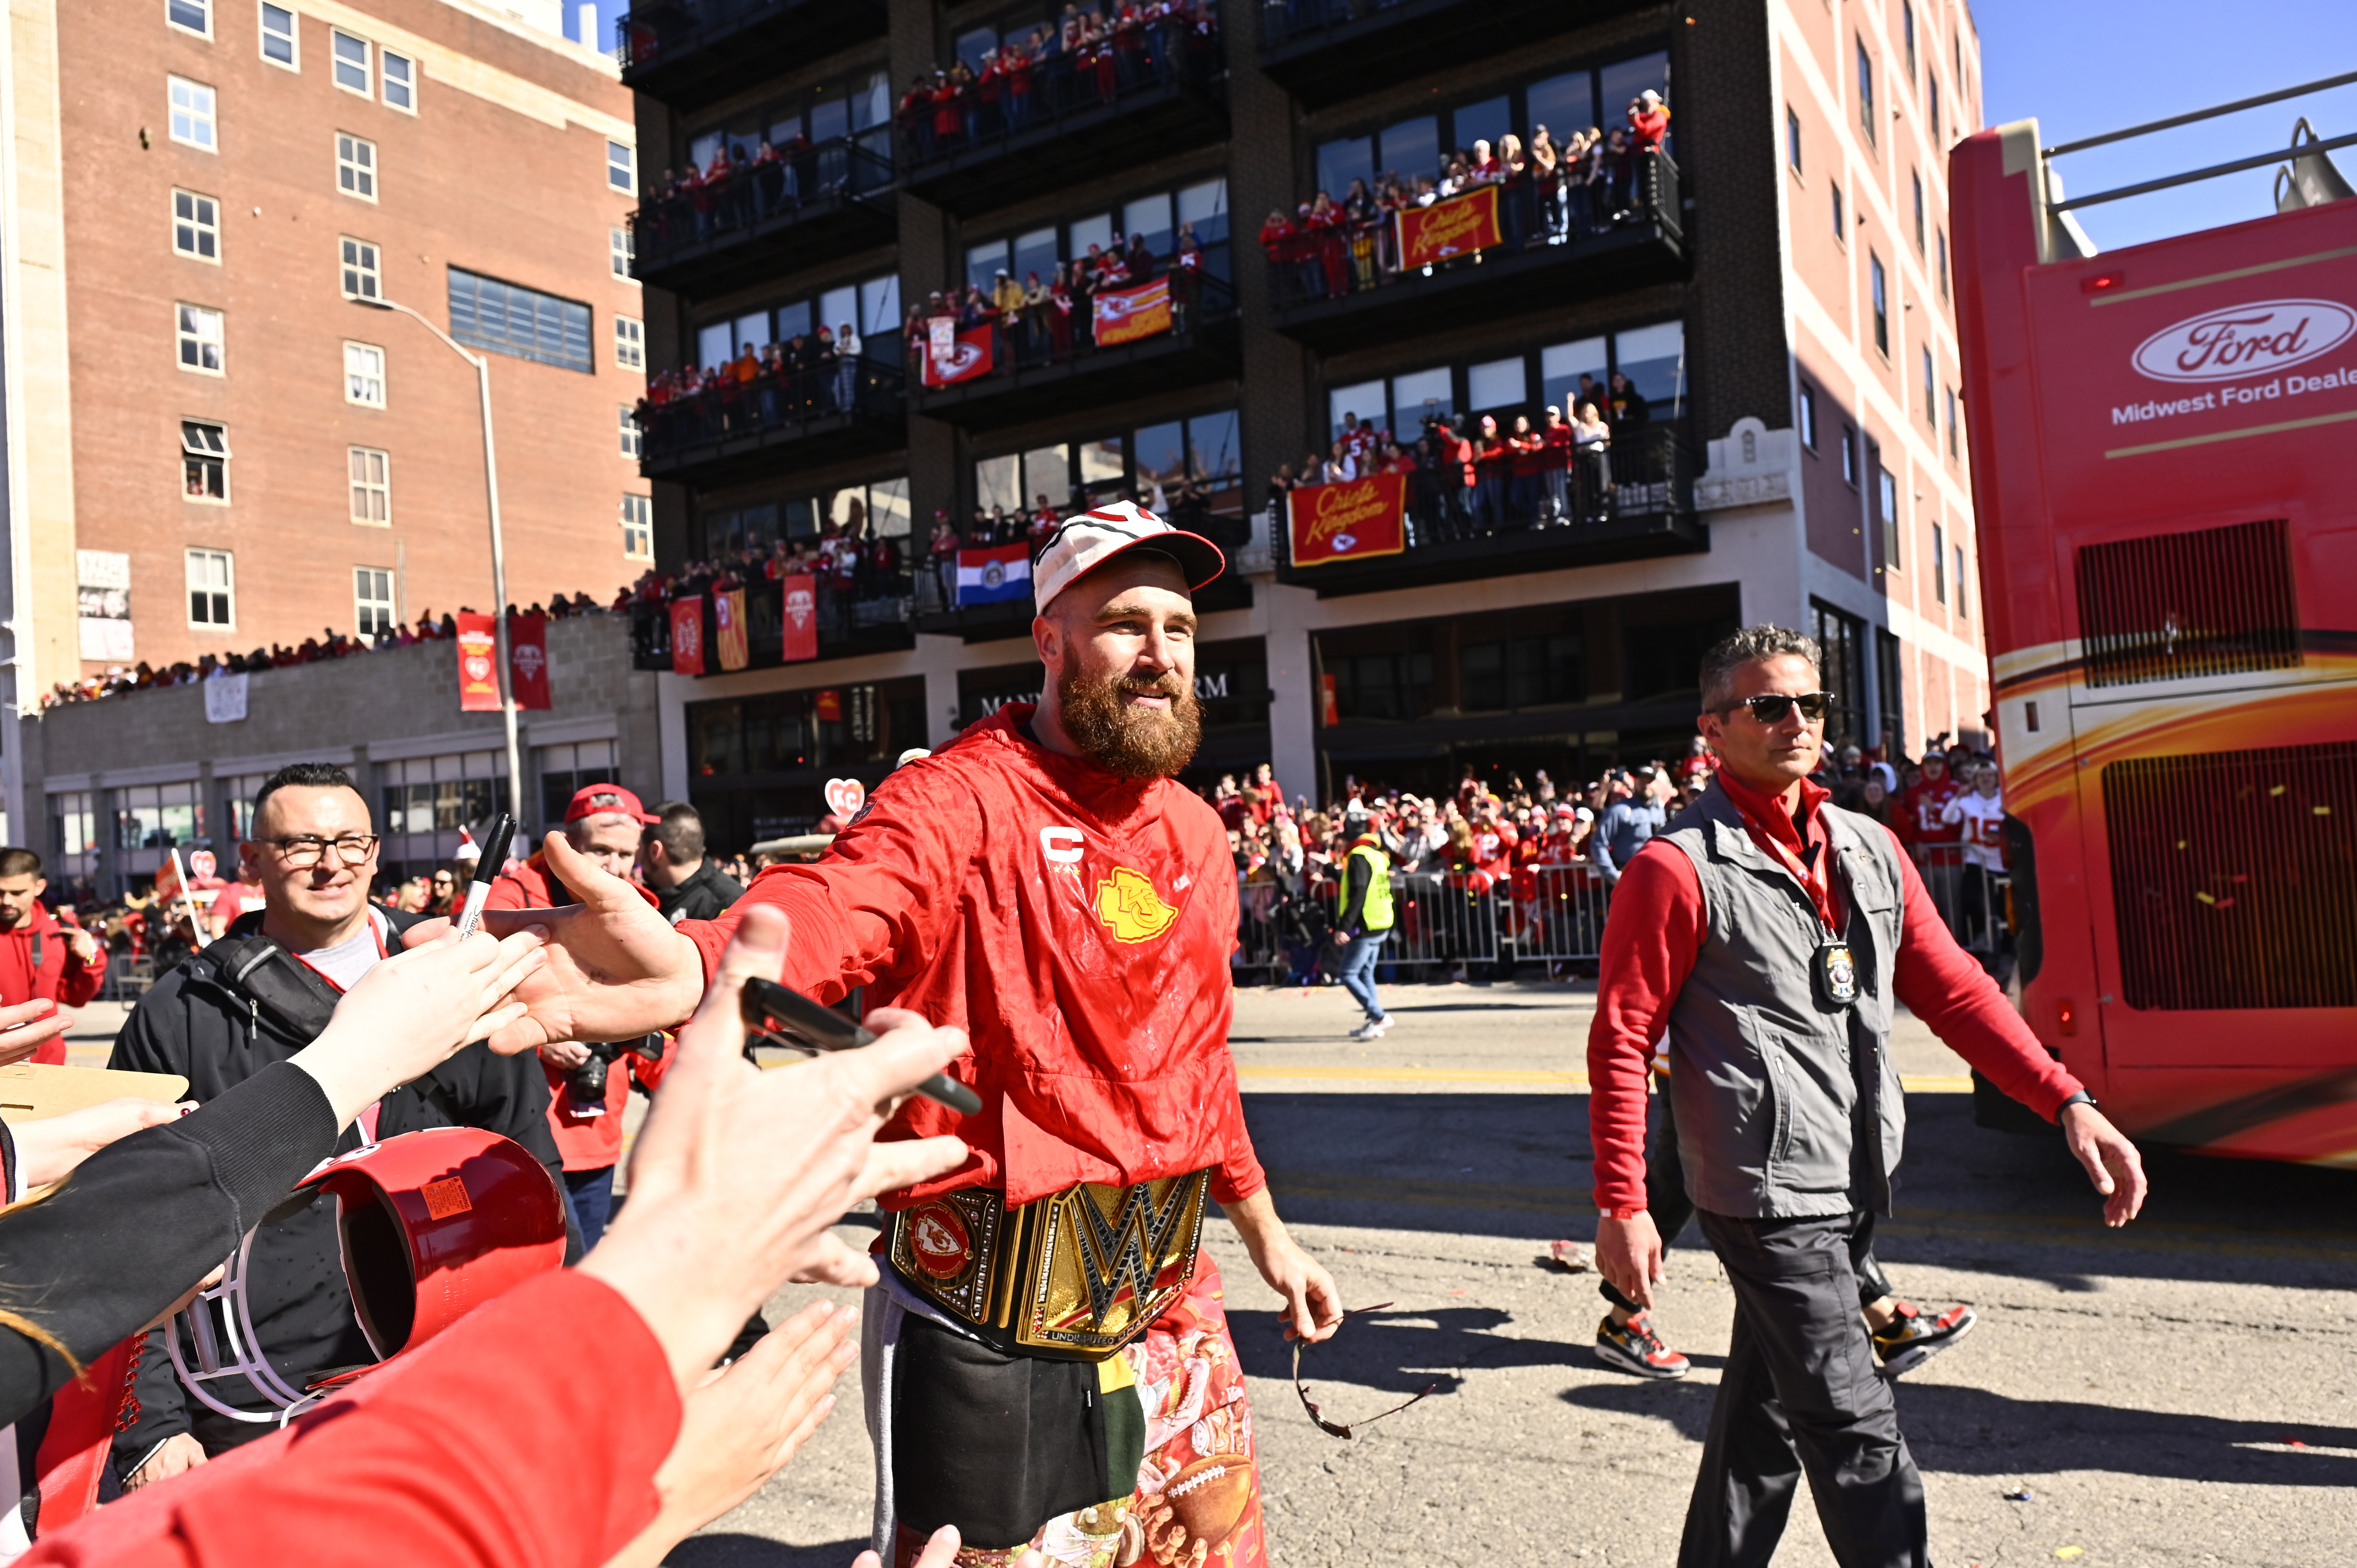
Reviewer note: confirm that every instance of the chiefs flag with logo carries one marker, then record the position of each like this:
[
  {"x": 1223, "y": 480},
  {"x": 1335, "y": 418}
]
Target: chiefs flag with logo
[
  {"x": 798, "y": 596},
  {"x": 968, "y": 356},
  {"x": 1127, "y": 315},
  {"x": 478, "y": 663},
  {"x": 528, "y": 661}
]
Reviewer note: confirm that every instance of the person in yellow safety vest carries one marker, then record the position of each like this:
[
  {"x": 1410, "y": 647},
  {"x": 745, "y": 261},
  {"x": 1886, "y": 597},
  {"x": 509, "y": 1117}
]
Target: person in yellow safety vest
[{"x": 1363, "y": 920}]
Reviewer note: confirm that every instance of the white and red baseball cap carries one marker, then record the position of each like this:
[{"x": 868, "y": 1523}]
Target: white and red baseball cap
[{"x": 1087, "y": 540}]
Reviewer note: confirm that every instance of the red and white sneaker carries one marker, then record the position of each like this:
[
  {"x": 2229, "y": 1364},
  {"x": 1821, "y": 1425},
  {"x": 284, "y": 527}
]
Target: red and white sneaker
[
  {"x": 1913, "y": 1338},
  {"x": 1633, "y": 1347}
]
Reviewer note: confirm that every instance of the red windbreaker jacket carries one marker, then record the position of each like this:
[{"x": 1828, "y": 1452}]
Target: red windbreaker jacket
[
  {"x": 1076, "y": 925},
  {"x": 60, "y": 977}
]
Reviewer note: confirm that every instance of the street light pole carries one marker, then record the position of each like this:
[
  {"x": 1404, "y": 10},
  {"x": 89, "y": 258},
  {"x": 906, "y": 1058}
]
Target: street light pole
[{"x": 482, "y": 364}]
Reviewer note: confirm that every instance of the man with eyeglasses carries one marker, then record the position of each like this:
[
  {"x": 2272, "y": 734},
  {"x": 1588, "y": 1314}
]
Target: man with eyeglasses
[
  {"x": 1766, "y": 933},
  {"x": 233, "y": 1009}
]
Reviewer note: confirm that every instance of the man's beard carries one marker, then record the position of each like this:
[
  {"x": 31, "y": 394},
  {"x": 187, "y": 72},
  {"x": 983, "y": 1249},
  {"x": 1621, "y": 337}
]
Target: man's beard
[{"x": 1124, "y": 739}]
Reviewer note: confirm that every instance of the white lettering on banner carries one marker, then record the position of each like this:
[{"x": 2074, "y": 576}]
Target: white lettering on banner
[{"x": 2245, "y": 340}]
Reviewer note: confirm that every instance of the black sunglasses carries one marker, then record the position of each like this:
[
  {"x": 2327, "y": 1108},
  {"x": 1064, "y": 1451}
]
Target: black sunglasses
[
  {"x": 1771, "y": 709},
  {"x": 1335, "y": 1428}
]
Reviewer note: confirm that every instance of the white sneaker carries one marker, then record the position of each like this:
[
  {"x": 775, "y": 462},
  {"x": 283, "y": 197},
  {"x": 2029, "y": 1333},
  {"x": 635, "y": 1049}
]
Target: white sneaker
[{"x": 1372, "y": 1029}]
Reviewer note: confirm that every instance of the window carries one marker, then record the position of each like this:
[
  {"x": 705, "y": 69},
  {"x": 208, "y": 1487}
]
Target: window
[
  {"x": 1849, "y": 457},
  {"x": 1889, "y": 497},
  {"x": 372, "y": 599},
  {"x": 200, "y": 339},
  {"x": 1808, "y": 417},
  {"x": 1792, "y": 139},
  {"x": 1906, "y": 31},
  {"x": 619, "y": 163},
  {"x": 351, "y": 63},
  {"x": 362, "y": 280},
  {"x": 212, "y": 588},
  {"x": 638, "y": 527},
  {"x": 622, "y": 247},
  {"x": 1942, "y": 237},
  {"x": 1931, "y": 402},
  {"x": 279, "y": 36},
  {"x": 1920, "y": 246},
  {"x": 400, "y": 81},
  {"x": 192, "y": 114},
  {"x": 196, "y": 16},
  {"x": 1938, "y": 563},
  {"x": 1841, "y": 224},
  {"x": 488, "y": 314},
  {"x": 1864, "y": 93},
  {"x": 364, "y": 374},
  {"x": 629, "y": 344},
  {"x": 1963, "y": 610},
  {"x": 632, "y": 437},
  {"x": 1881, "y": 290},
  {"x": 1933, "y": 82},
  {"x": 356, "y": 167},
  {"x": 1951, "y": 423},
  {"x": 196, "y": 226},
  {"x": 204, "y": 461},
  {"x": 372, "y": 486}
]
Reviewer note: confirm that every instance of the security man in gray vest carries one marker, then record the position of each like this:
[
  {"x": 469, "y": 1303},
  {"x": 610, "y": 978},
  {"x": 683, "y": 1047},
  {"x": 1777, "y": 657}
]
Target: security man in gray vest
[{"x": 1769, "y": 934}]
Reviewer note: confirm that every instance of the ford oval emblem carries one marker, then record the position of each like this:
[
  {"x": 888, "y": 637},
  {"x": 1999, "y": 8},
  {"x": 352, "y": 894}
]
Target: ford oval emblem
[{"x": 2246, "y": 340}]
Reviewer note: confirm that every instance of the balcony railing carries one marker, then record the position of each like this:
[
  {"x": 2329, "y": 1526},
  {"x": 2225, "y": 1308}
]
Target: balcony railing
[
  {"x": 1630, "y": 498},
  {"x": 935, "y": 609},
  {"x": 1330, "y": 282},
  {"x": 766, "y": 216},
  {"x": 1157, "y": 88},
  {"x": 729, "y": 424},
  {"x": 873, "y": 616},
  {"x": 1052, "y": 363},
  {"x": 1327, "y": 50},
  {"x": 676, "y": 49}
]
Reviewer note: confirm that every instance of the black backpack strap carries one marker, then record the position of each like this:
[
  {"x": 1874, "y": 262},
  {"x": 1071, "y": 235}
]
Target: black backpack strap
[{"x": 295, "y": 1000}]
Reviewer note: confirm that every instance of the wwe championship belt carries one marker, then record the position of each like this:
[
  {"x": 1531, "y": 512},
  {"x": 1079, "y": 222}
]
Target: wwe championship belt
[{"x": 1074, "y": 1276}]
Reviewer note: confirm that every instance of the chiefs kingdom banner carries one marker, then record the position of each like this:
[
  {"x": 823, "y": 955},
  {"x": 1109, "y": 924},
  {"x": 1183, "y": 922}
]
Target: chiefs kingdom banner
[
  {"x": 687, "y": 636},
  {"x": 1127, "y": 315},
  {"x": 800, "y": 596},
  {"x": 1348, "y": 522},
  {"x": 1457, "y": 227},
  {"x": 968, "y": 356},
  {"x": 478, "y": 663}
]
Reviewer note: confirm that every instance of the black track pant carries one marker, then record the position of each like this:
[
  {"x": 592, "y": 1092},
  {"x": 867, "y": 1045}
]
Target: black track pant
[{"x": 1800, "y": 1393}]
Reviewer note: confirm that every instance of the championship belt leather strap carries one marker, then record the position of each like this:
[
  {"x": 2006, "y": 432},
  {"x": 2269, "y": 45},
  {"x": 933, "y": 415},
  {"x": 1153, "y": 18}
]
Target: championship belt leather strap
[{"x": 1072, "y": 1276}]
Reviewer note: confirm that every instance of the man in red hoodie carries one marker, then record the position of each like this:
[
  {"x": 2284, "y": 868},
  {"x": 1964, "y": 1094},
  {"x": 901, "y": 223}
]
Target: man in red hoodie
[
  {"x": 41, "y": 959},
  {"x": 1046, "y": 884}
]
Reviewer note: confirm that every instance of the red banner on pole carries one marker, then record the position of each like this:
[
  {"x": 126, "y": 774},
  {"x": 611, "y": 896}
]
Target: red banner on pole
[
  {"x": 801, "y": 640},
  {"x": 1349, "y": 522},
  {"x": 728, "y": 628},
  {"x": 528, "y": 661},
  {"x": 1127, "y": 315},
  {"x": 967, "y": 357},
  {"x": 478, "y": 664},
  {"x": 687, "y": 636},
  {"x": 1457, "y": 227}
]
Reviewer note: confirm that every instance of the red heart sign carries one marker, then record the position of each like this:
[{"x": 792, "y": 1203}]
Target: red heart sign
[{"x": 844, "y": 797}]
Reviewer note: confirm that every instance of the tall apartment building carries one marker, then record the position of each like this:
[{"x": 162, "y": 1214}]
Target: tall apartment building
[
  {"x": 1773, "y": 287},
  {"x": 213, "y": 443}
]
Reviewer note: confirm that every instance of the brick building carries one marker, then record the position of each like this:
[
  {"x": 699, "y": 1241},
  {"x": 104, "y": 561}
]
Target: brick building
[{"x": 211, "y": 446}]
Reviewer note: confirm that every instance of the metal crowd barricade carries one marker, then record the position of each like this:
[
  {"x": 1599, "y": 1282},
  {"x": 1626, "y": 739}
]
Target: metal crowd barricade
[{"x": 1443, "y": 921}]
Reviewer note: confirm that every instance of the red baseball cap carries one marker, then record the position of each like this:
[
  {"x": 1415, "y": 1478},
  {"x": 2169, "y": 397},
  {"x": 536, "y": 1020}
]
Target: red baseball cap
[{"x": 591, "y": 799}]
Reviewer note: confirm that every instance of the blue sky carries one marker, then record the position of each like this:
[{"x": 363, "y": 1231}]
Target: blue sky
[{"x": 2081, "y": 67}]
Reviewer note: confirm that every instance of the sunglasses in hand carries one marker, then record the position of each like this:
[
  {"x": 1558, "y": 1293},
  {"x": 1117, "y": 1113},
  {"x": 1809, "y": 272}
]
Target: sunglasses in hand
[{"x": 1335, "y": 1428}]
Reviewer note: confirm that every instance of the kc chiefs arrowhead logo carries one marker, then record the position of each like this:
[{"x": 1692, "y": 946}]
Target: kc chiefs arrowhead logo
[
  {"x": 1131, "y": 909},
  {"x": 940, "y": 1241}
]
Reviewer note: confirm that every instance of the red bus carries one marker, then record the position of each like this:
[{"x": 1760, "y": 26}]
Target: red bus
[{"x": 2164, "y": 465}]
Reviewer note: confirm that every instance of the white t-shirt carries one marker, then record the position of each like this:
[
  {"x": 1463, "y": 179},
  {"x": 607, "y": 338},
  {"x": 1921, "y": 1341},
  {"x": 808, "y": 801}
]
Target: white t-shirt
[
  {"x": 349, "y": 960},
  {"x": 1983, "y": 818}
]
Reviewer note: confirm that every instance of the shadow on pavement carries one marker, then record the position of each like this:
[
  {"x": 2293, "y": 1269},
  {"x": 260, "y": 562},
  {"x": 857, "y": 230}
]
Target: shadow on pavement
[
  {"x": 1970, "y": 1431},
  {"x": 1403, "y": 1350},
  {"x": 730, "y": 1550}
]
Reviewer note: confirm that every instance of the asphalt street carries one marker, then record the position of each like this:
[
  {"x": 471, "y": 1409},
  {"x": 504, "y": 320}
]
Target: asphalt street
[{"x": 2178, "y": 1393}]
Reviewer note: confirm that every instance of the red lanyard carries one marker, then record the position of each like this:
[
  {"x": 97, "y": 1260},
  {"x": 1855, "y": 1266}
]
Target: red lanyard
[{"x": 1811, "y": 876}]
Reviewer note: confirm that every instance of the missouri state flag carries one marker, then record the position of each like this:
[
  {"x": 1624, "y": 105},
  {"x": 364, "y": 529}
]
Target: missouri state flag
[{"x": 988, "y": 577}]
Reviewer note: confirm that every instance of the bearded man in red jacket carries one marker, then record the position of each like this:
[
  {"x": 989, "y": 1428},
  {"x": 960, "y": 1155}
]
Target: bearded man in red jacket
[{"x": 1048, "y": 1357}]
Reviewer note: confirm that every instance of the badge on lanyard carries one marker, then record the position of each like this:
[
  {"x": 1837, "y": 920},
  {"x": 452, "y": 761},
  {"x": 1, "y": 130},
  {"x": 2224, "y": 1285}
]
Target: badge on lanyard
[{"x": 1834, "y": 972}]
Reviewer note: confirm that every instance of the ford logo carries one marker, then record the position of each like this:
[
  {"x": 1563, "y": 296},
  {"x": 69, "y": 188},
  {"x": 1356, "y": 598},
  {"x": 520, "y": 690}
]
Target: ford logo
[{"x": 2246, "y": 340}]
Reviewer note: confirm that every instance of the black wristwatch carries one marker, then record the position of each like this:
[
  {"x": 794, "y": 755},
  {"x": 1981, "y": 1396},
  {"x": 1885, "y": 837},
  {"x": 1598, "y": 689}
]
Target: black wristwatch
[{"x": 2081, "y": 1097}]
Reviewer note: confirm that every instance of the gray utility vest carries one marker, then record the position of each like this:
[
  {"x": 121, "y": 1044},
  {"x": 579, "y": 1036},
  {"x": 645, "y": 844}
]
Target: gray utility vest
[{"x": 1769, "y": 1088}]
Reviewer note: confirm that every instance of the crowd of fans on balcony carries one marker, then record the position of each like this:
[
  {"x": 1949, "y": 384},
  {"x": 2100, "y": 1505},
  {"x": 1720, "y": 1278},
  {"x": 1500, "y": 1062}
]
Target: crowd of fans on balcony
[
  {"x": 847, "y": 563},
  {"x": 742, "y": 187},
  {"x": 329, "y": 644},
  {"x": 1469, "y": 479},
  {"x": 1548, "y": 194},
  {"x": 1039, "y": 322},
  {"x": 803, "y": 378},
  {"x": 1093, "y": 57}
]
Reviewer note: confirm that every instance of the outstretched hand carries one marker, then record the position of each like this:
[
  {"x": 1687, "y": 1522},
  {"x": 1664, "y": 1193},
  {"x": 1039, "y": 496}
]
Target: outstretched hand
[
  {"x": 615, "y": 969},
  {"x": 2111, "y": 1160},
  {"x": 27, "y": 1027}
]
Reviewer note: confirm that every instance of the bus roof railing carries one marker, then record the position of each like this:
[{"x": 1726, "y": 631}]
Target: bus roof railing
[{"x": 2234, "y": 166}]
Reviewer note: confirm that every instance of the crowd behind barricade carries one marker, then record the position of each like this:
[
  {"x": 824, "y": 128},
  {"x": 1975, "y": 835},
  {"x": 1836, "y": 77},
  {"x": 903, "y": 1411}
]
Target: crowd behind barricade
[
  {"x": 1519, "y": 851},
  {"x": 1548, "y": 194},
  {"x": 1469, "y": 478},
  {"x": 329, "y": 644},
  {"x": 1092, "y": 56}
]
